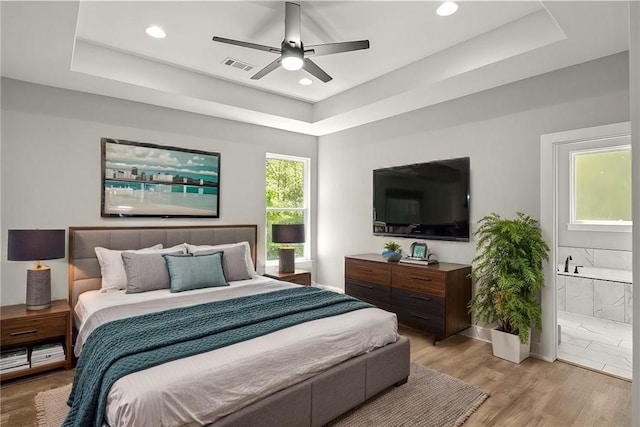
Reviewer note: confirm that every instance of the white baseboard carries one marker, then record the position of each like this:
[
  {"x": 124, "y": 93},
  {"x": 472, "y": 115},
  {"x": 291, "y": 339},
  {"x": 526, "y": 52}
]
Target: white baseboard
[
  {"x": 329, "y": 288},
  {"x": 484, "y": 334}
]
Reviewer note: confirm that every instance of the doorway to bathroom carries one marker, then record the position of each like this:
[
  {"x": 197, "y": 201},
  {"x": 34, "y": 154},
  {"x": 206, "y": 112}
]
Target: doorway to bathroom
[{"x": 592, "y": 248}]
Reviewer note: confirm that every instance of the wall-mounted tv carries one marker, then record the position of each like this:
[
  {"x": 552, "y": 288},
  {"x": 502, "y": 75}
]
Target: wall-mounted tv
[{"x": 423, "y": 200}]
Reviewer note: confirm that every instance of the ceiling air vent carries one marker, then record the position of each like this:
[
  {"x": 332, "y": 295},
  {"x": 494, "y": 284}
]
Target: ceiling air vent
[{"x": 238, "y": 64}]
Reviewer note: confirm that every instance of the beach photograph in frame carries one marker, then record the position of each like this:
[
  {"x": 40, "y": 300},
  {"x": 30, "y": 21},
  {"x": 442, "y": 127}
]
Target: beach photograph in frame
[{"x": 140, "y": 179}]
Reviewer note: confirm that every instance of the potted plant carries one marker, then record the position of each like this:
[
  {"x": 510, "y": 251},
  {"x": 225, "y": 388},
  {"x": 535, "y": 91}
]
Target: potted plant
[
  {"x": 508, "y": 271},
  {"x": 392, "y": 251}
]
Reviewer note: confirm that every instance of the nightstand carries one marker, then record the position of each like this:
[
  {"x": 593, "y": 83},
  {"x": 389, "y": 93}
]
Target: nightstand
[
  {"x": 20, "y": 327},
  {"x": 301, "y": 277}
]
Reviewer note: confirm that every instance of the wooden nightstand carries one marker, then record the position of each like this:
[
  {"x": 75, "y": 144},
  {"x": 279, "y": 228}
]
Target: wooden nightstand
[
  {"x": 301, "y": 277},
  {"x": 25, "y": 328}
]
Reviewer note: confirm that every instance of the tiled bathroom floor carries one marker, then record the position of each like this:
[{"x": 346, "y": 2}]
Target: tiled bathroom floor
[{"x": 595, "y": 343}]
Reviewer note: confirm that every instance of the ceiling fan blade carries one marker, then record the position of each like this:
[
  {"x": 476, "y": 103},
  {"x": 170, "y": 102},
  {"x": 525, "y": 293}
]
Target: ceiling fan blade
[
  {"x": 311, "y": 67},
  {"x": 246, "y": 44},
  {"x": 331, "y": 48},
  {"x": 292, "y": 24},
  {"x": 266, "y": 70}
]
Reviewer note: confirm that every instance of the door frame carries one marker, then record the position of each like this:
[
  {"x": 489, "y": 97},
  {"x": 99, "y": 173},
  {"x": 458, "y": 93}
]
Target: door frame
[{"x": 549, "y": 145}]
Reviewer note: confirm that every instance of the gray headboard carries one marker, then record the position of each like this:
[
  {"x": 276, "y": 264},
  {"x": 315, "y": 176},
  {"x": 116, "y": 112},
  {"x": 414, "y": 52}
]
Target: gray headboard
[{"x": 84, "y": 269}]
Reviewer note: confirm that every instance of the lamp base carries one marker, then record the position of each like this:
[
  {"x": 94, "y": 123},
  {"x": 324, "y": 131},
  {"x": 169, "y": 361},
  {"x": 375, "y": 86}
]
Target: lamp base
[
  {"x": 38, "y": 288},
  {"x": 287, "y": 258}
]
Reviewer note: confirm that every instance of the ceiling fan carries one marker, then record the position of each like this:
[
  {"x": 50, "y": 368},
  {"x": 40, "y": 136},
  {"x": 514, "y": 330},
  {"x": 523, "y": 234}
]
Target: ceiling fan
[{"x": 293, "y": 54}]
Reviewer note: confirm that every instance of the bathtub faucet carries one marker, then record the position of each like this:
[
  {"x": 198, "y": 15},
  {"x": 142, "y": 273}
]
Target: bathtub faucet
[
  {"x": 566, "y": 263},
  {"x": 576, "y": 270}
]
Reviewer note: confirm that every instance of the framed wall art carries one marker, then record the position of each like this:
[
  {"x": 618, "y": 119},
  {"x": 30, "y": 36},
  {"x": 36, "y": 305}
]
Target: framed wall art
[{"x": 140, "y": 179}]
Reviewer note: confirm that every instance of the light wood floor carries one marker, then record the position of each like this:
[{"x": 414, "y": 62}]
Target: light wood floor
[{"x": 534, "y": 393}]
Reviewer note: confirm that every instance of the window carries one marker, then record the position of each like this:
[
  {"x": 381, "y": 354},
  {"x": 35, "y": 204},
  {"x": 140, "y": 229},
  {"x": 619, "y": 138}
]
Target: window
[
  {"x": 601, "y": 189},
  {"x": 287, "y": 200}
]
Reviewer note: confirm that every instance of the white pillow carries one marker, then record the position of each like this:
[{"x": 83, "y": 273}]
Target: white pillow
[
  {"x": 251, "y": 271},
  {"x": 112, "y": 269}
]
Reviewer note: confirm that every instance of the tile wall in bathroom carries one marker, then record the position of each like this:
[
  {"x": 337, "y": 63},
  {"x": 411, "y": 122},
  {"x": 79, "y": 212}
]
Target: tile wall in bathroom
[
  {"x": 591, "y": 257},
  {"x": 592, "y": 297}
]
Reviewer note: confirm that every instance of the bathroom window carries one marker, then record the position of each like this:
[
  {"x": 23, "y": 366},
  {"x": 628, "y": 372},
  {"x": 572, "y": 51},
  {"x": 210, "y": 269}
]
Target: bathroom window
[{"x": 601, "y": 189}]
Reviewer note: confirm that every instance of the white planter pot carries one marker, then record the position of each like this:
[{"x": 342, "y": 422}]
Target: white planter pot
[{"x": 508, "y": 346}]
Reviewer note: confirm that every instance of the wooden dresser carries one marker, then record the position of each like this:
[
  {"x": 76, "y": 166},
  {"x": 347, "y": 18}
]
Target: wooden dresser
[{"x": 432, "y": 299}]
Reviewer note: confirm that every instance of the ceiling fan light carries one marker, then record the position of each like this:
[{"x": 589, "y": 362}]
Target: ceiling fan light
[
  {"x": 292, "y": 63},
  {"x": 305, "y": 81},
  {"x": 447, "y": 8}
]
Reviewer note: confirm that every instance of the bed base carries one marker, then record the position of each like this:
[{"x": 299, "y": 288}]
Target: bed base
[
  {"x": 313, "y": 402},
  {"x": 326, "y": 396}
]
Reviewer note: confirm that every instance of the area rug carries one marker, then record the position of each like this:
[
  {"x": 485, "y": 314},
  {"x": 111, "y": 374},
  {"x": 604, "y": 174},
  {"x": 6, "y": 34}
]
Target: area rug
[{"x": 429, "y": 398}]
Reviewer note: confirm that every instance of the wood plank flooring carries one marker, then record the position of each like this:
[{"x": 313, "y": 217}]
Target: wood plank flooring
[{"x": 534, "y": 393}]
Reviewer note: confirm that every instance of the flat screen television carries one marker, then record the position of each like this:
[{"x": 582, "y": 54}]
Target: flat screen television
[{"x": 423, "y": 200}]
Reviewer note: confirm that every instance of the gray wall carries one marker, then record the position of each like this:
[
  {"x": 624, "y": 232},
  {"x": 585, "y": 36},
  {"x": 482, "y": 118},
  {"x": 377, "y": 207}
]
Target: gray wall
[
  {"x": 498, "y": 129},
  {"x": 50, "y": 157}
]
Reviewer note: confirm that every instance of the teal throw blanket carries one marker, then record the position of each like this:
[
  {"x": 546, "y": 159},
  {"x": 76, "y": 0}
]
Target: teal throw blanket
[{"x": 124, "y": 346}]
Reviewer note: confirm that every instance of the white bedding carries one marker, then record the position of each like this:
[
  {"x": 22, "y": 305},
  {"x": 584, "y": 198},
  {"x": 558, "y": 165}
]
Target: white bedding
[{"x": 200, "y": 389}]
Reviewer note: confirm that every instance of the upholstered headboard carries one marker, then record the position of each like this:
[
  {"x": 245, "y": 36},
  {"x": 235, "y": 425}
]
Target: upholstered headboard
[{"x": 84, "y": 269}]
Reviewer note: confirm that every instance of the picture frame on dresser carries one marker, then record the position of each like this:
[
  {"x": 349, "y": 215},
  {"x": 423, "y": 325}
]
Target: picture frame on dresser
[{"x": 148, "y": 180}]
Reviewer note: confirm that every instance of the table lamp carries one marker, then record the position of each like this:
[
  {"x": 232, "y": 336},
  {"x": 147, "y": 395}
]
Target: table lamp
[
  {"x": 36, "y": 245},
  {"x": 287, "y": 233}
]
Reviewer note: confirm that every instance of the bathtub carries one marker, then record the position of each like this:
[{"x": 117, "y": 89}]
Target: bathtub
[
  {"x": 605, "y": 293},
  {"x": 608, "y": 274}
]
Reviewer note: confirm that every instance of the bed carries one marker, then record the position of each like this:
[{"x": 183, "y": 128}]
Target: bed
[{"x": 307, "y": 373}]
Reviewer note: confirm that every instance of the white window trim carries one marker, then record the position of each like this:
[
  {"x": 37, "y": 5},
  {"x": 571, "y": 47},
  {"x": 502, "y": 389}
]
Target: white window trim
[
  {"x": 581, "y": 225},
  {"x": 306, "y": 259}
]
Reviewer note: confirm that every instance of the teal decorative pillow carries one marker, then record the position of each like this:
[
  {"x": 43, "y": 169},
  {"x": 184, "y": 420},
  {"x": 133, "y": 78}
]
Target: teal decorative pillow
[{"x": 195, "y": 272}]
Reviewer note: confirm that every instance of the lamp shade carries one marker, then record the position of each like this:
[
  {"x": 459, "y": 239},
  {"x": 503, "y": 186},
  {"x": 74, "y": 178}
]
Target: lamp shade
[
  {"x": 35, "y": 245},
  {"x": 287, "y": 233}
]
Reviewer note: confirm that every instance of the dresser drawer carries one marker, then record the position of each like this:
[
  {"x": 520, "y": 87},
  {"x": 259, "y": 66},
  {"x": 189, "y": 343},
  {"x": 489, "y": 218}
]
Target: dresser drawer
[
  {"x": 420, "y": 280},
  {"x": 368, "y": 271},
  {"x": 417, "y": 302},
  {"x": 422, "y": 321},
  {"x": 22, "y": 330},
  {"x": 369, "y": 292}
]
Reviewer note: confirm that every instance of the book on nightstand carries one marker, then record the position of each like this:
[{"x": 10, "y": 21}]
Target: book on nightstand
[
  {"x": 14, "y": 360},
  {"x": 47, "y": 353}
]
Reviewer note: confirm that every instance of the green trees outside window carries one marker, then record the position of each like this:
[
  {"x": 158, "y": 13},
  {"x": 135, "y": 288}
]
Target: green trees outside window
[
  {"x": 602, "y": 186},
  {"x": 285, "y": 197}
]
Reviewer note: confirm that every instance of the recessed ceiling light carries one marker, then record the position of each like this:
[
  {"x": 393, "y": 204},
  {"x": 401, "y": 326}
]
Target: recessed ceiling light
[
  {"x": 156, "y": 32},
  {"x": 305, "y": 81},
  {"x": 447, "y": 8}
]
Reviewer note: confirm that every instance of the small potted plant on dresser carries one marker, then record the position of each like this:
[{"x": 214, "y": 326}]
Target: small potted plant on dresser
[
  {"x": 508, "y": 271},
  {"x": 392, "y": 251}
]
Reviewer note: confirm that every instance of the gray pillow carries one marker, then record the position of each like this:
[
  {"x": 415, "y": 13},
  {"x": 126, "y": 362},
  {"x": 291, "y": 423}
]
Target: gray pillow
[
  {"x": 233, "y": 262},
  {"x": 145, "y": 272},
  {"x": 195, "y": 272}
]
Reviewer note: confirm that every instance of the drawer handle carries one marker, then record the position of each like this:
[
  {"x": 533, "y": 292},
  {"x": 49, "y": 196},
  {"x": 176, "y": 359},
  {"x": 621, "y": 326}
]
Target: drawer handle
[
  {"x": 420, "y": 317},
  {"x": 421, "y": 278},
  {"x": 363, "y": 286},
  {"x": 420, "y": 298},
  {"x": 368, "y": 270},
  {"x": 30, "y": 331}
]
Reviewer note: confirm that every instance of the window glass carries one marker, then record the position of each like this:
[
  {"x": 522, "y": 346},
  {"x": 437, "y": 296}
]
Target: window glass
[
  {"x": 602, "y": 186},
  {"x": 286, "y": 199}
]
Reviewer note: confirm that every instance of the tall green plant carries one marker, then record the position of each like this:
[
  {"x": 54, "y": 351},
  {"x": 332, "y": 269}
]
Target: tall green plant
[{"x": 508, "y": 270}]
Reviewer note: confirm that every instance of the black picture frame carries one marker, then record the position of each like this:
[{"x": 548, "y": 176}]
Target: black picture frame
[
  {"x": 148, "y": 180},
  {"x": 419, "y": 250}
]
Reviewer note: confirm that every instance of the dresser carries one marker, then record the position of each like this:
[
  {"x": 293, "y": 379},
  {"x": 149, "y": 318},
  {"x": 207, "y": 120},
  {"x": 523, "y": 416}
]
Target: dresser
[{"x": 429, "y": 298}]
